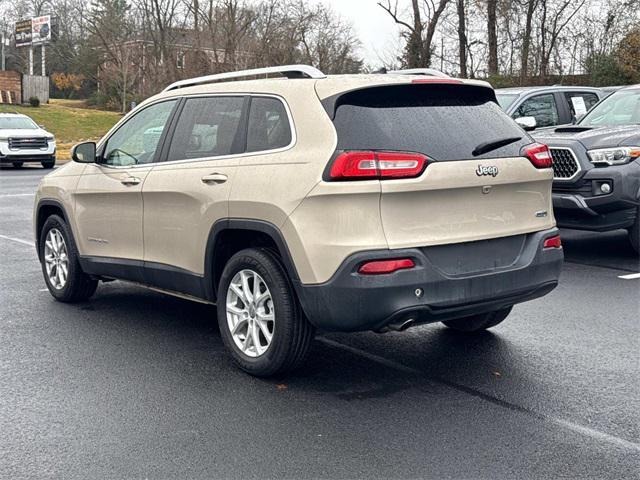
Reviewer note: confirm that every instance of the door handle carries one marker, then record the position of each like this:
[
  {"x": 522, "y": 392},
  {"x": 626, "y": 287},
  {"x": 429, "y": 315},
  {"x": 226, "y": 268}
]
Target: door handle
[
  {"x": 214, "y": 178},
  {"x": 130, "y": 181}
]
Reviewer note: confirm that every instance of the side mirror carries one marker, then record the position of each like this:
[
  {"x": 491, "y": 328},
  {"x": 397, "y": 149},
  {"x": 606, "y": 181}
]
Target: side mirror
[
  {"x": 84, "y": 152},
  {"x": 527, "y": 123}
]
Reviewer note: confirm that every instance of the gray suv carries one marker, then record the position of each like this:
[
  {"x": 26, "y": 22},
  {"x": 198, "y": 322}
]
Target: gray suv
[
  {"x": 540, "y": 107},
  {"x": 596, "y": 167}
]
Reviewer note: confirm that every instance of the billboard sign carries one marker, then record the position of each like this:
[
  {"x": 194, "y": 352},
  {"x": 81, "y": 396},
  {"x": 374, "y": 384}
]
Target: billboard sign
[
  {"x": 35, "y": 31},
  {"x": 41, "y": 30},
  {"x": 23, "y": 33}
]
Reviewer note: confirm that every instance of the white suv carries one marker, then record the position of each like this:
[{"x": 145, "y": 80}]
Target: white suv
[{"x": 22, "y": 140}]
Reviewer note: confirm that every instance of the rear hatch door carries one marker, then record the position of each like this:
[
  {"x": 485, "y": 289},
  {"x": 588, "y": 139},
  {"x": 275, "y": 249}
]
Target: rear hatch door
[{"x": 464, "y": 194}]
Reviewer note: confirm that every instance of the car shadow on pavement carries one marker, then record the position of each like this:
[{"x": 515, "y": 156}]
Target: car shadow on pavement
[
  {"x": 600, "y": 249},
  {"x": 428, "y": 358}
]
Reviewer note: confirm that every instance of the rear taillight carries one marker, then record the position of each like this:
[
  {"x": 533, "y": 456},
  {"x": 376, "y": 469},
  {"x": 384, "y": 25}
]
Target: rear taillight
[
  {"x": 366, "y": 165},
  {"x": 378, "y": 267},
  {"x": 553, "y": 242},
  {"x": 538, "y": 154}
]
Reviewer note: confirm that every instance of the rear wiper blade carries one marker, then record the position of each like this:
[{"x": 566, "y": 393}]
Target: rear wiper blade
[{"x": 493, "y": 145}]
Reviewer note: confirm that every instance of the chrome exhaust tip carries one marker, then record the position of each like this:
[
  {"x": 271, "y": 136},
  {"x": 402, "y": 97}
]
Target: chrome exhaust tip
[{"x": 400, "y": 326}]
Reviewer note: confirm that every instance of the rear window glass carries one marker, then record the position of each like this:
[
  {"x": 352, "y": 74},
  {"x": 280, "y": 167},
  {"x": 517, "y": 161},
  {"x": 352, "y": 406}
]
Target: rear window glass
[
  {"x": 444, "y": 122},
  {"x": 268, "y": 125},
  {"x": 580, "y": 102}
]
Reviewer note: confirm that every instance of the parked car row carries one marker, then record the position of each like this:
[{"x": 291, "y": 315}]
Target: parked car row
[{"x": 347, "y": 203}]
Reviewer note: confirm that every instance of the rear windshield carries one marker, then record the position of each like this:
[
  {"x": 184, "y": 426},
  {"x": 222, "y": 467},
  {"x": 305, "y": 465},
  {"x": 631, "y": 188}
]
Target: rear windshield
[{"x": 444, "y": 122}]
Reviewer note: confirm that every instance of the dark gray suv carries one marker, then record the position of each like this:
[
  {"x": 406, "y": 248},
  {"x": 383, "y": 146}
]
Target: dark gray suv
[{"x": 596, "y": 167}]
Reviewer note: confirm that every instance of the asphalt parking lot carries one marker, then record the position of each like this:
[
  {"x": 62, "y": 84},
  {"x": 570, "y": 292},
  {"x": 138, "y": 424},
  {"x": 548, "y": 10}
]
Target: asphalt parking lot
[{"x": 136, "y": 384}]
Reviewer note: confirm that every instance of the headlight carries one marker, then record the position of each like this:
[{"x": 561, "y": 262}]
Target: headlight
[
  {"x": 4, "y": 139},
  {"x": 614, "y": 156}
]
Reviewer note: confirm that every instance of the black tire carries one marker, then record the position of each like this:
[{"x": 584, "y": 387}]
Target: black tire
[
  {"x": 478, "y": 323},
  {"x": 79, "y": 286},
  {"x": 48, "y": 164},
  {"x": 18, "y": 164},
  {"x": 292, "y": 333},
  {"x": 634, "y": 233}
]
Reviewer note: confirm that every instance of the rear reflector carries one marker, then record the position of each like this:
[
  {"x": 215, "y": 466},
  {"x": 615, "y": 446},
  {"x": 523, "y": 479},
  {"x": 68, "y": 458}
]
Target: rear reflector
[
  {"x": 538, "y": 154},
  {"x": 378, "y": 267},
  {"x": 365, "y": 165},
  {"x": 553, "y": 242}
]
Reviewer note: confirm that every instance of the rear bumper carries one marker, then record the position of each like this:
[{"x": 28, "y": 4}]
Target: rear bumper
[
  {"x": 578, "y": 205},
  {"x": 353, "y": 302}
]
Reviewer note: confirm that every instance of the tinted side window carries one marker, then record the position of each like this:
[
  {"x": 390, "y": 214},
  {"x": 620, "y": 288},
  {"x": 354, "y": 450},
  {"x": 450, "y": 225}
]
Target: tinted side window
[
  {"x": 580, "y": 102},
  {"x": 136, "y": 140},
  {"x": 542, "y": 107},
  {"x": 268, "y": 125},
  {"x": 207, "y": 127}
]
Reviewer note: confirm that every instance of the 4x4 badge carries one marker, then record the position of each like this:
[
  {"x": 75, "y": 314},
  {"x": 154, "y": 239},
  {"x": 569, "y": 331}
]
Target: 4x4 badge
[{"x": 490, "y": 170}]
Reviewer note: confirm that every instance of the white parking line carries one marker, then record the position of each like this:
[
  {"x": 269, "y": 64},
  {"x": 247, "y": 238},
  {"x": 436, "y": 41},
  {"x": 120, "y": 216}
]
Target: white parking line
[
  {"x": 18, "y": 240},
  {"x": 574, "y": 427},
  {"x": 18, "y": 195},
  {"x": 631, "y": 276}
]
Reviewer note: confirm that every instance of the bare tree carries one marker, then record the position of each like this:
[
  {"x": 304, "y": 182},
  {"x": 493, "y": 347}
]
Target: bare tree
[
  {"x": 111, "y": 28},
  {"x": 492, "y": 37},
  {"x": 419, "y": 33},
  {"x": 553, "y": 22},
  {"x": 526, "y": 39},
  {"x": 462, "y": 37}
]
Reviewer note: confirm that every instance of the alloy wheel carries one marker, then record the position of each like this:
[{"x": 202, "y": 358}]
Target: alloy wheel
[
  {"x": 250, "y": 313},
  {"x": 56, "y": 259}
]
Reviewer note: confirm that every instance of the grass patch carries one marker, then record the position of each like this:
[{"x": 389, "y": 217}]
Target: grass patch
[{"x": 69, "y": 120}]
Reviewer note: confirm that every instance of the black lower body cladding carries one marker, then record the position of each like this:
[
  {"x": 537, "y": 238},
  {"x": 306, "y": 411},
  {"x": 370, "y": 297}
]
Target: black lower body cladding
[
  {"x": 583, "y": 205},
  {"x": 448, "y": 281}
]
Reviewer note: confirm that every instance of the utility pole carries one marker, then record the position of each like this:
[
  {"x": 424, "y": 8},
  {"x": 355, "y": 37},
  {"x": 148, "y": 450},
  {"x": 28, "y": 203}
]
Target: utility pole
[{"x": 2, "y": 54}]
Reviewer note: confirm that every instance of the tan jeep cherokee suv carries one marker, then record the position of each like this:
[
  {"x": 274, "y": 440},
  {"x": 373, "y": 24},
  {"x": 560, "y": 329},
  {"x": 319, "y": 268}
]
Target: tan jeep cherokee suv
[{"x": 346, "y": 202}]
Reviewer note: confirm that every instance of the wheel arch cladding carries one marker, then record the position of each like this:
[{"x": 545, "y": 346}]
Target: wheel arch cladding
[
  {"x": 45, "y": 209},
  {"x": 229, "y": 236}
]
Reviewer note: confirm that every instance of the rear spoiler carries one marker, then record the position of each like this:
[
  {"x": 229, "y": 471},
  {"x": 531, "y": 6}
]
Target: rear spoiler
[{"x": 332, "y": 103}]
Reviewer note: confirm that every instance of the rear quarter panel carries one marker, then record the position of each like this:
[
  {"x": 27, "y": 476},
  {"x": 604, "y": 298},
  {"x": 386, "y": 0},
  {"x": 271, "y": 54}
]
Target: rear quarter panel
[{"x": 269, "y": 186}]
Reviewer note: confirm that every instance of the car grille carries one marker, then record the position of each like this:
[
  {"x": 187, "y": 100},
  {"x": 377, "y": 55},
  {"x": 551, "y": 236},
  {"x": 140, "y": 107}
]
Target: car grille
[
  {"x": 565, "y": 164},
  {"x": 27, "y": 143}
]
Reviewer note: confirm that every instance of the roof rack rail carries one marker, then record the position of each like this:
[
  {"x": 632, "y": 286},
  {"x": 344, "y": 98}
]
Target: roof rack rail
[
  {"x": 289, "y": 71},
  {"x": 419, "y": 71}
]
